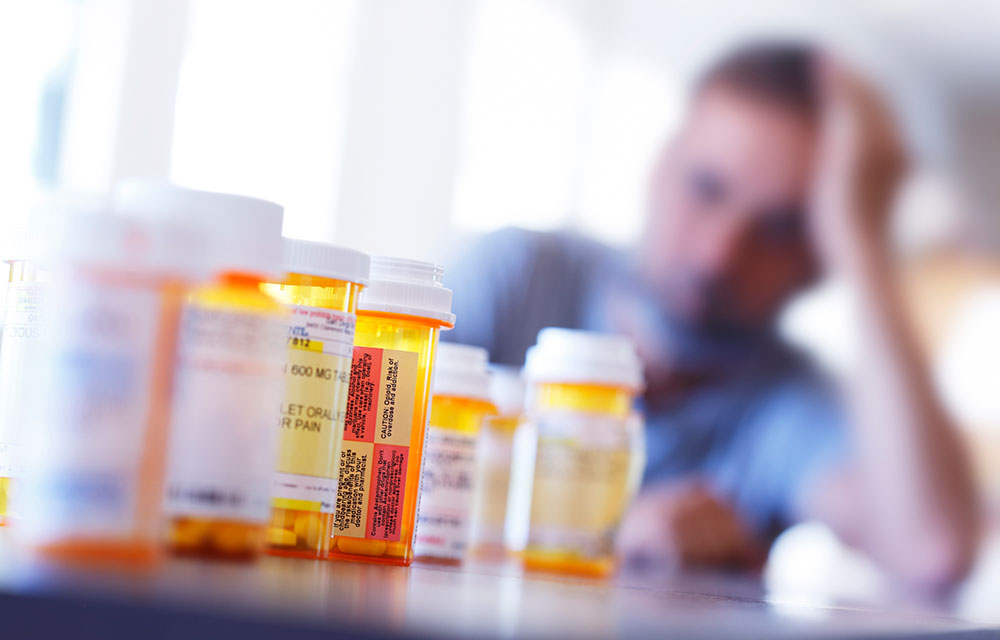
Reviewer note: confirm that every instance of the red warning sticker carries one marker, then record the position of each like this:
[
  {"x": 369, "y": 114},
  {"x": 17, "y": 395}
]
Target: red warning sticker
[{"x": 376, "y": 450}]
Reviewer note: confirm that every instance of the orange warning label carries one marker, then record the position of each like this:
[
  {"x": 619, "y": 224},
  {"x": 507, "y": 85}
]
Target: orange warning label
[{"x": 376, "y": 451}]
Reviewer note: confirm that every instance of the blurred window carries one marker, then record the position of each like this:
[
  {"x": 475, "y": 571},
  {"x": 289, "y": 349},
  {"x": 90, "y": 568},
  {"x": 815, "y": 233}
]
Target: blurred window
[
  {"x": 633, "y": 106},
  {"x": 260, "y": 104},
  {"x": 37, "y": 55},
  {"x": 525, "y": 89},
  {"x": 556, "y": 132}
]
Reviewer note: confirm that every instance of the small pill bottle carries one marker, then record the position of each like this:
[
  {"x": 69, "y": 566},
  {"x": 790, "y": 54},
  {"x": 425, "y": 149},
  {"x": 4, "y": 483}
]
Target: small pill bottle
[
  {"x": 587, "y": 437},
  {"x": 228, "y": 382},
  {"x": 320, "y": 291},
  {"x": 101, "y": 380},
  {"x": 20, "y": 326},
  {"x": 400, "y": 316},
  {"x": 492, "y": 484},
  {"x": 460, "y": 403}
]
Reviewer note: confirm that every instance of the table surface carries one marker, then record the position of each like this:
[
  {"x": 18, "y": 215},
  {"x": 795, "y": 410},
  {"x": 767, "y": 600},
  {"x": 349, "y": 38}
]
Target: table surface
[{"x": 278, "y": 597}]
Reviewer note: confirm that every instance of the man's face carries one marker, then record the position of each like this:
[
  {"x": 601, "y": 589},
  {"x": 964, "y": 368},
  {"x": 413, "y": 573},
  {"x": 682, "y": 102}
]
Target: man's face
[{"x": 726, "y": 243}]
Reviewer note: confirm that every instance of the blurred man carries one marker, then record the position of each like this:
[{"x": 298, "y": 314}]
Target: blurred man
[{"x": 785, "y": 165}]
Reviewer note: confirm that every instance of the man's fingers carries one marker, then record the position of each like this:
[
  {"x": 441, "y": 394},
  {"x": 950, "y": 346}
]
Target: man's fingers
[{"x": 689, "y": 526}]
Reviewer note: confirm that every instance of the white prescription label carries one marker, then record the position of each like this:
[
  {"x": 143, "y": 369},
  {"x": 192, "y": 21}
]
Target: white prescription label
[
  {"x": 91, "y": 412},
  {"x": 228, "y": 385},
  {"x": 446, "y": 493},
  {"x": 317, "y": 369},
  {"x": 21, "y": 329}
]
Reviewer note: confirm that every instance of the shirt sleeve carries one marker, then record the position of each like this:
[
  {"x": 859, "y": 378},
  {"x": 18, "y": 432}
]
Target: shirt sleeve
[{"x": 793, "y": 435}]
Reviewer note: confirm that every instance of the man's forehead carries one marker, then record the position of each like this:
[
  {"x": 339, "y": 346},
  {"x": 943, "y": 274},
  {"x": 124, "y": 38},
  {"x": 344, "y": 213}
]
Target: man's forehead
[
  {"x": 760, "y": 144},
  {"x": 725, "y": 109}
]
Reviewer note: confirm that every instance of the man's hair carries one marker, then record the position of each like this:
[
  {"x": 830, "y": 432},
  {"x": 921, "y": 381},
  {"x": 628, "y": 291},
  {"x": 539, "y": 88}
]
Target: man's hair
[{"x": 780, "y": 72}]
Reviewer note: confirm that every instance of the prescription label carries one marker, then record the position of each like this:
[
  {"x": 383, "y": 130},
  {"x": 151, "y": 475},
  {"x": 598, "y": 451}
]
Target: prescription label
[
  {"x": 21, "y": 328},
  {"x": 376, "y": 451},
  {"x": 93, "y": 412},
  {"x": 317, "y": 372},
  {"x": 583, "y": 481},
  {"x": 228, "y": 385},
  {"x": 446, "y": 493}
]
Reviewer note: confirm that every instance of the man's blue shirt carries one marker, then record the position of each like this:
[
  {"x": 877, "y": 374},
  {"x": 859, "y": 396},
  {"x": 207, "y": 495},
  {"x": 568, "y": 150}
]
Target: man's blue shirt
[{"x": 758, "y": 430}]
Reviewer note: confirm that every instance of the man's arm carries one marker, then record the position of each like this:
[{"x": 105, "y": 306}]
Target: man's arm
[{"x": 908, "y": 499}]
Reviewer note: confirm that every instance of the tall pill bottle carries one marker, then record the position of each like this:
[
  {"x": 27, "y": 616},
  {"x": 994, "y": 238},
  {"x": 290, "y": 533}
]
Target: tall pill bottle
[
  {"x": 400, "y": 315},
  {"x": 101, "y": 387},
  {"x": 20, "y": 326},
  {"x": 492, "y": 484},
  {"x": 228, "y": 382},
  {"x": 581, "y": 389},
  {"x": 460, "y": 403},
  {"x": 320, "y": 291}
]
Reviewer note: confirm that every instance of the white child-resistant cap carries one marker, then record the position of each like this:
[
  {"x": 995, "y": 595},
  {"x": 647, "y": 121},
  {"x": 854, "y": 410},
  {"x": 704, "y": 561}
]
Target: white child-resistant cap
[
  {"x": 408, "y": 287},
  {"x": 326, "y": 261},
  {"x": 583, "y": 357},
  {"x": 507, "y": 389},
  {"x": 245, "y": 232},
  {"x": 83, "y": 236},
  {"x": 460, "y": 370}
]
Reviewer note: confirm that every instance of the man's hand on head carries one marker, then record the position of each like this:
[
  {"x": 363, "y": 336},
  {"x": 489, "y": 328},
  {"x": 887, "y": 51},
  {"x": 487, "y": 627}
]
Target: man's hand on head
[
  {"x": 861, "y": 166},
  {"x": 685, "y": 524},
  {"x": 907, "y": 496}
]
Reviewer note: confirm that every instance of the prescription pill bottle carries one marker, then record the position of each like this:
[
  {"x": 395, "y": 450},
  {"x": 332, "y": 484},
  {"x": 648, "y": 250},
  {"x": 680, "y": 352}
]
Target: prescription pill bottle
[
  {"x": 96, "y": 436},
  {"x": 321, "y": 292},
  {"x": 228, "y": 382},
  {"x": 20, "y": 330},
  {"x": 492, "y": 484},
  {"x": 587, "y": 440},
  {"x": 459, "y": 404},
  {"x": 400, "y": 314}
]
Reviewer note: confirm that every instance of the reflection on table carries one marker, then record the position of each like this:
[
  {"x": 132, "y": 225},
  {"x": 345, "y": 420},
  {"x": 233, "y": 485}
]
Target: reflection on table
[{"x": 496, "y": 600}]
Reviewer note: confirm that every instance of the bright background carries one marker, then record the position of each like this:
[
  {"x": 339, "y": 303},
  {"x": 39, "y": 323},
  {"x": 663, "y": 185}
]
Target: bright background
[
  {"x": 397, "y": 126},
  {"x": 401, "y": 127}
]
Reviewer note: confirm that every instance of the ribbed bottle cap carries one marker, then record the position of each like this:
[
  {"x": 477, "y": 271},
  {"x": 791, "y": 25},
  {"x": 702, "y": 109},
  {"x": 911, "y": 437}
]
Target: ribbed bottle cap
[
  {"x": 407, "y": 287},
  {"x": 326, "y": 261},
  {"x": 507, "y": 389},
  {"x": 245, "y": 232},
  {"x": 460, "y": 370},
  {"x": 583, "y": 357}
]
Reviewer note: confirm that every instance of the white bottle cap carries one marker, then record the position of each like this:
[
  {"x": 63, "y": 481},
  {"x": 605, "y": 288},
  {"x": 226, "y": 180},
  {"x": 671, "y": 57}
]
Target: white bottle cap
[
  {"x": 408, "y": 287},
  {"x": 583, "y": 357},
  {"x": 507, "y": 389},
  {"x": 245, "y": 232},
  {"x": 460, "y": 370},
  {"x": 73, "y": 237},
  {"x": 326, "y": 261}
]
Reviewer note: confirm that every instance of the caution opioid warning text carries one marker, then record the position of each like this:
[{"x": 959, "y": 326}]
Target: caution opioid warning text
[{"x": 375, "y": 456}]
